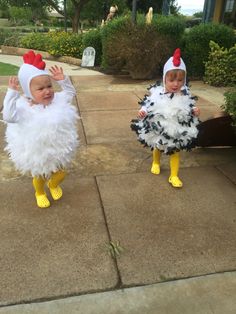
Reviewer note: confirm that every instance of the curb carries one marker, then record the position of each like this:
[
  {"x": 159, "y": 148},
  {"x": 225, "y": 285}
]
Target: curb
[{"x": 16, "y": 51}]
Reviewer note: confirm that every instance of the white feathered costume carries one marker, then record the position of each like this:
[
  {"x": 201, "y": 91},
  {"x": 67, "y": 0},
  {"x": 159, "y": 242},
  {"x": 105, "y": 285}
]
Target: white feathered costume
[
  {"x": 40, "y": 139},
  {"x": 170, "y": 124}
]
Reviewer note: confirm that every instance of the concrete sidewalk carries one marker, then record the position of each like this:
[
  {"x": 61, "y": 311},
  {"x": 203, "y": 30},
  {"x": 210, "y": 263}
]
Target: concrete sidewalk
[
  {"x": 68, "y": 68},
  {"x": 178, "y": 246},
  {"x": 211, "y": 294}
]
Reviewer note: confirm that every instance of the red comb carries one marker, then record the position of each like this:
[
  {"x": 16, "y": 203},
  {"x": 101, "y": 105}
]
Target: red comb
[
  {"x": 176, "y": 57},
  {"x": 35, "y": 60}
]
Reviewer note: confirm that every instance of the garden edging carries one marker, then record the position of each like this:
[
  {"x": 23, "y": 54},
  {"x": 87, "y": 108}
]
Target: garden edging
[{"x": 8, "y": 50}]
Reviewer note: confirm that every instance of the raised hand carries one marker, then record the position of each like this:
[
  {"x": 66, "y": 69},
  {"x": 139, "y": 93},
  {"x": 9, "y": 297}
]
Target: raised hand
[
  {"x": 196, "y": 111},
  {"x": 57, "y": 73},
  {"x": 142, "y": 114},
  {"x": 13, "y": 83}
]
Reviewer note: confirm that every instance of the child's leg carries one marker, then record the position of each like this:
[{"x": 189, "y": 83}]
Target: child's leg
[
  {"x": 174, "y": 170},
  {"x": 41, "y": 197},
  {"x": 53, "y": 184},
  {"x": 156, "y": 155}
]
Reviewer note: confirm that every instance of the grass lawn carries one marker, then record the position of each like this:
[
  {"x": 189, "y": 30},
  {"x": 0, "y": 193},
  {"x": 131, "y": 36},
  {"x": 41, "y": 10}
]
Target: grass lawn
[{"x": 8, "y": 69}]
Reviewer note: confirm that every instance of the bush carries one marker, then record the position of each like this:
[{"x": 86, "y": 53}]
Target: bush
[
  {"x": 173, "y": 26},
  {"x": 35, "y": 41},
  {"x": 56, "y": 43},
  {"x": 4, "y": 34},
  {"x": 196, "y": 45},
  {"x": 230, "y": 104},
  {"x": 93, "y": 39},
  {"x": 13, "y": 40},
  {"x": 65, "y": 44},
  {"x": 221, "y": 66},
  {"x": 113, "y": 42},
  {"x": 9, "y": 37},
  {"x": 139, "y": 48}
]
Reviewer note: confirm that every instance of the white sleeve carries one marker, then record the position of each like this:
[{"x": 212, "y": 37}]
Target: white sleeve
[
  {"x": 9, "y": 106},
  {"x": 67, "y": 86}
]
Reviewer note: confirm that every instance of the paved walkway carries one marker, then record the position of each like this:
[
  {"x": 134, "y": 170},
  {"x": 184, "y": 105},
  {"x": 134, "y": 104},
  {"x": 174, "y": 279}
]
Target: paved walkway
[
  {"x": 68, "y": 68},
  {"x": 178, "y": 246}
]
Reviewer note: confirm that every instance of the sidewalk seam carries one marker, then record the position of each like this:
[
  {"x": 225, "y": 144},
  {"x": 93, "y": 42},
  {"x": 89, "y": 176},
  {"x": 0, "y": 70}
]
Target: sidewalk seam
[{"x": 119, "y": 281}]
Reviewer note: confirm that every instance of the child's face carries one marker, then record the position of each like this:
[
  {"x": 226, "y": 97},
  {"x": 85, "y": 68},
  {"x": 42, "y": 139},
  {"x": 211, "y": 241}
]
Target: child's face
[
  {"x": 174, "y": 80},
  {"x": 42, "y": 90}
]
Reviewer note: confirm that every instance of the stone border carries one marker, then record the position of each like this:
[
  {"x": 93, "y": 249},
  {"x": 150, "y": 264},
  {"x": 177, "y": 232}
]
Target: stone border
[{"x": 8, "y": 50}]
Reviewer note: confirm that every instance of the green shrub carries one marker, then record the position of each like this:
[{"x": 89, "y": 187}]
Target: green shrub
[
  {"x": 93, "y": 39},
  {"x": 35, "y": 41},
  {"x": 230, "y": 104},
  {"x": 196, "y": 45},
  {"x": 220, "y": 69},
  {"x": 65, "y": 44},
  {"x": 139, "y": 48},
  {"x": 56, "y": 43},
  {"x": 4, "y": 35},
  {"x": 112, "y": 36},
  {"x": 173, "y": 26},
  {"x": 13, "y": 40}
]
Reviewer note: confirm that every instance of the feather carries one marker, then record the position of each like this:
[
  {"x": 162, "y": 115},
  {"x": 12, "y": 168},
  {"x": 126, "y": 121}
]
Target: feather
[
  {"x": 170, "y": 124},
  {"x": 45, "y": 138}
]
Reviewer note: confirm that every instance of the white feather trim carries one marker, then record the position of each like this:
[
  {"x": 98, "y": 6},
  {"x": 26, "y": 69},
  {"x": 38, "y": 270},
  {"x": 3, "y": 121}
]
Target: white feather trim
[{"x": 44, "y": 139}]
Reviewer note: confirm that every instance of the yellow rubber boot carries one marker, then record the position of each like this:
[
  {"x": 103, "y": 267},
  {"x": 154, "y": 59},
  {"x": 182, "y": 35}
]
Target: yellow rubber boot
[
  {"x": 41, "y": 197},
  {"x": 174, "y": 170},
  {"x": 53, "y": 184},
  {"x": 156, "y": 155}
]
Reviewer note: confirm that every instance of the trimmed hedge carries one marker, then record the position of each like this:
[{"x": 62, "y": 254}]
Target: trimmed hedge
[
  {"x": 141, "y": 49},
  {"x": 196, "y": 45},
  {"x": 93, "y": 39}
]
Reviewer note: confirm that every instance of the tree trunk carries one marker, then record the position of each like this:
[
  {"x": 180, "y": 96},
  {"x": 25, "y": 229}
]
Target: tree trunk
[
  {"x": 78, "y": 5},
  {"x": 75, "y": 19}
]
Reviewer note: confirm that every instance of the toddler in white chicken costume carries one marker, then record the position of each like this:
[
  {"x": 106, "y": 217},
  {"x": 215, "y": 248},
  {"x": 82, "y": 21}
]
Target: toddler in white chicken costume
[{"x": 41, "y": 132}]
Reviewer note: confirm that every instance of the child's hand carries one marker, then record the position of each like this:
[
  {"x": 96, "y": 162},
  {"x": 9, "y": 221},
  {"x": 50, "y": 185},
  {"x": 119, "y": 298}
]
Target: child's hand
[
  {"x": 142, "y": 114},
  {"x": 13, "y": 83},
  {"x": 196, "y": 111},
  {"x": 57, "y": 73}
]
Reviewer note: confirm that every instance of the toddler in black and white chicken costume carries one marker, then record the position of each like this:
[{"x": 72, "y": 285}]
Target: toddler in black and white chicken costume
[{"x": 168, "y": 118}]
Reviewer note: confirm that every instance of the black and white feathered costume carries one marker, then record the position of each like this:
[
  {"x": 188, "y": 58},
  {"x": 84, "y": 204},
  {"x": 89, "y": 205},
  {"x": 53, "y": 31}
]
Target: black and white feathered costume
[
  {"x": 170, "y": 124},
  {"x": 41, "y": 139}
]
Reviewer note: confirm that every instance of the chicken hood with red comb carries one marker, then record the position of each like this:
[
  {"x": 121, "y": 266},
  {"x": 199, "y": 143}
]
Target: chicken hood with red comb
[
  {"x": 33, "y": 66},
  {"x": 174, "y": 63}
]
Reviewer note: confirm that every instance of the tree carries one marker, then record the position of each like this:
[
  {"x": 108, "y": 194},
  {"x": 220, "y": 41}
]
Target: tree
[
  {"x": 98, "y": 10},
  {"x": 144, "y": 5},
  {"x": 74, "y": 11},
  {"x": 198, "y": 14},
  {"x": 37, "y": 8},
  {"x": 174, "y": 7},
  {"x": 20, "y": 16}
]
